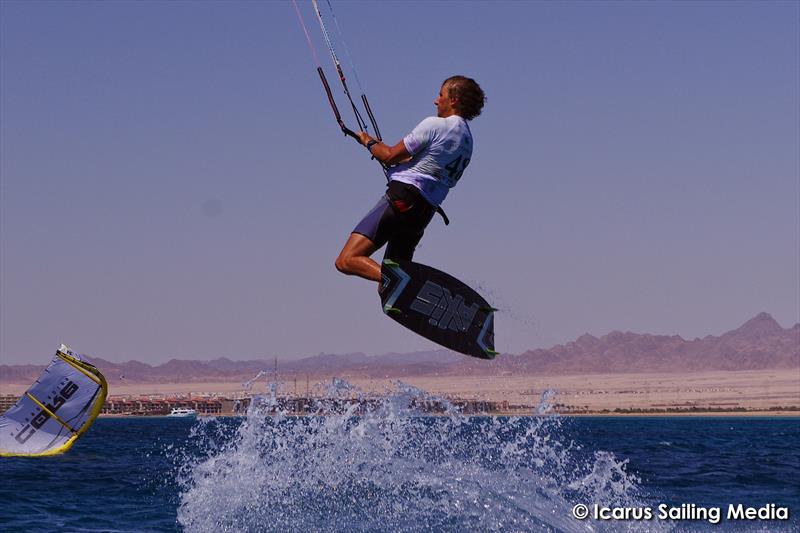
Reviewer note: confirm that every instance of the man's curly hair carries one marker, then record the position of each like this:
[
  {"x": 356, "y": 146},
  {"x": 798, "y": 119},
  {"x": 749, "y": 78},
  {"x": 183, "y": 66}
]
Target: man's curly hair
[{"x": 469, "y": 94}]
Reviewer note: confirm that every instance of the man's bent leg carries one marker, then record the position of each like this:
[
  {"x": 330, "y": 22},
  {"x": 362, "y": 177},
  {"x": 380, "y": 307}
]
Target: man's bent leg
[
  {"x": 354, "y": 258},
  {"x": 402, "y": 248}
]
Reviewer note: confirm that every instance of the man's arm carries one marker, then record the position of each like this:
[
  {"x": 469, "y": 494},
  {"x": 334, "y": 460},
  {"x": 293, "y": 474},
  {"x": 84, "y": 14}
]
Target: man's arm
[{"x": 388, "y": 155}]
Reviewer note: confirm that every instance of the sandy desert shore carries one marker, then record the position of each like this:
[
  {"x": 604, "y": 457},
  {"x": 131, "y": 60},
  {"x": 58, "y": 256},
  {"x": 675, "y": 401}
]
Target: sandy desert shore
[{"x": 750, "y": 389}]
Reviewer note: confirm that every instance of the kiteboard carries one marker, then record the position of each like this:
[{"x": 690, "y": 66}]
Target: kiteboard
[{"x": 439, "y": 307}]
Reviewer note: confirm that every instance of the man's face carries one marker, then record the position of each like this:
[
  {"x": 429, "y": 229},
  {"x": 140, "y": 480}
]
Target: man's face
[{"x": 445, "y": 105}]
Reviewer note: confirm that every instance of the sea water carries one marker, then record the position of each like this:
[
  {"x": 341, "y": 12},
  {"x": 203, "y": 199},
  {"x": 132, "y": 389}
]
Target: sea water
[{"x": 392, "y": 467}]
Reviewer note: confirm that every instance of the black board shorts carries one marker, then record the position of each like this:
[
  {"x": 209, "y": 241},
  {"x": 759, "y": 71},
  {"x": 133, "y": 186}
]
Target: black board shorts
[{"x": 399, "y": 219}]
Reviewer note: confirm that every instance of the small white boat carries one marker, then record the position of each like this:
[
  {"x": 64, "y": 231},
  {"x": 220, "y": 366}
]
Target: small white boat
[{"x": 183, "y": 412}]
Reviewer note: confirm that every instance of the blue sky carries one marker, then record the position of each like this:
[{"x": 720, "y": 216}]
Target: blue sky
[{"x": 173, "y": 184}]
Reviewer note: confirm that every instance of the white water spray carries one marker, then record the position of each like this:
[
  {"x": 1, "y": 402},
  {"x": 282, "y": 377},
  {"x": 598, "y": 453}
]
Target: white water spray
[{"x": 382, "y": 464}]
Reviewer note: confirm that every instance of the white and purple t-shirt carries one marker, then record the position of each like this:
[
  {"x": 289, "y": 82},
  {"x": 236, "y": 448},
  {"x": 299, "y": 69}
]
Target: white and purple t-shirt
[{"x": 441, "y": 149}]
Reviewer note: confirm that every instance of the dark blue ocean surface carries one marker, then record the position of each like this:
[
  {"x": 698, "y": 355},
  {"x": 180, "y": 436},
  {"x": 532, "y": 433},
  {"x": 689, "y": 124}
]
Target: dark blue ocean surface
[{"x": 396, "y": 471}]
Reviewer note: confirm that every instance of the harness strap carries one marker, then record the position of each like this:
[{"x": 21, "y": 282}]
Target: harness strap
[{"x": 444, "y": 215}]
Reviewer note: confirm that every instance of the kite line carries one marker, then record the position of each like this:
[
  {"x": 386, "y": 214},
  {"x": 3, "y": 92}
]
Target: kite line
[{"x": 362, "y": 125}]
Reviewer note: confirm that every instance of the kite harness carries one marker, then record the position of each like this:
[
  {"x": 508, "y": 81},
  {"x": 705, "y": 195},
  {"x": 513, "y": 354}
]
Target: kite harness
[{"x": 362, "y": 125}]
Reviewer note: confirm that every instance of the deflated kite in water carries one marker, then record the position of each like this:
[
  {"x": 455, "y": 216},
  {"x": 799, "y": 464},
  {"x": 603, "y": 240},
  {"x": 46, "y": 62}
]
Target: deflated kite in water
[{"x": 56, "y": 410}]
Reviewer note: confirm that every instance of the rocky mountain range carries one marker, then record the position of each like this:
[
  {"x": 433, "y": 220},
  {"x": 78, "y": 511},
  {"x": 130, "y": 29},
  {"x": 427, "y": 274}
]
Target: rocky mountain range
[{"x": 760, "y": 343}]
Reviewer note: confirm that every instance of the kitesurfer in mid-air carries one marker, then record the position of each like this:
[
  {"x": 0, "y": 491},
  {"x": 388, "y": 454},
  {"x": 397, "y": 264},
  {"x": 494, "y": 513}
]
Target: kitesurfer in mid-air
[{"x": 422, "y": 168}]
